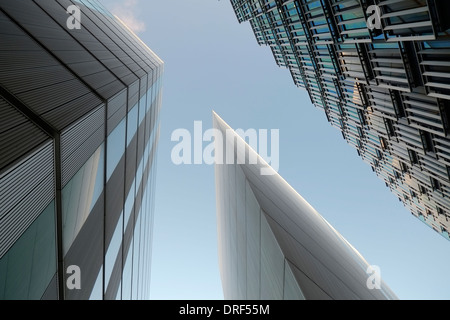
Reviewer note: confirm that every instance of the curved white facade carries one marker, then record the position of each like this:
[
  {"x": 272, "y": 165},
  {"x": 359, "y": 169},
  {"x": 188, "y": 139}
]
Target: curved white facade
[{"x": 274, "y": 245}]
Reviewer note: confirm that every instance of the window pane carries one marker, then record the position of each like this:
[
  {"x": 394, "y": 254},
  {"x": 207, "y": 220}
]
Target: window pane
[
  {"x": 126, "y": 276},
  {"x": 80, "y": 195},
  {"x": 96, "y": 293},
  {"x": 116, "y": 148},
  {"x": 142, "y": 108},
  {"x": 113, "y": 250},
  {"x": 28, "y": 267},
  {"x": 132, "y": 123}
]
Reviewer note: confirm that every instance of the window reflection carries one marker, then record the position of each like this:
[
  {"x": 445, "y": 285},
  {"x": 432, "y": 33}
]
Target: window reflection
[
  {"x": 80, "y": 195},
  {"x": 126, "y": 276},
  {"x": 113, "y": 250},
  {"x": 116, "y": 148},
  {"x": 96, "y": 293},
  {"x": 28, "y": 267},
  {"x": 132, "y": 123},
  {"x": 142, "y": 108}
]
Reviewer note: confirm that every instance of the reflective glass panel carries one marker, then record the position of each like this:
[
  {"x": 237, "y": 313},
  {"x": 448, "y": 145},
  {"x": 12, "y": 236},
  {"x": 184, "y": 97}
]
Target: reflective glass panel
[
  {"x": 80, "y": 195},
  {"x": 28, "y": 267},
  {"x": 116, "y": 148}
]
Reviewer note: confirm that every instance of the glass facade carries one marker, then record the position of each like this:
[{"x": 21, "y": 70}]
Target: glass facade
[
  {"x": 29, "y": 266},
  {"x": 273, "y": 245},
  {"x": 77, "y": 186},
  {"x": 385, "y": 88}
]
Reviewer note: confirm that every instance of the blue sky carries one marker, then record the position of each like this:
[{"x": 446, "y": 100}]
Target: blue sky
[{"x": 214, "y": 63}]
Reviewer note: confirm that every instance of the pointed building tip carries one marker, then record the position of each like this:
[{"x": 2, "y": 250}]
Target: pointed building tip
[
  {"x": 216, "y": 116},
  {"x": 217, "y": 119}
]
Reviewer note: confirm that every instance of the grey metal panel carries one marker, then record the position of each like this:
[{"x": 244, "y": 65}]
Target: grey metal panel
[
  {"x": 143, "y": 56},
  {"x": 25, "y": 191},
  {"x": 116, "y": 110},
  {"x": 57, "y": 38},
  {"x": 115, "y": 119},
  {"x": 133, "y": 95},
  {"x": 329, "y": 267},
  {"x": 117, "y": 103},
  {"x": 313, "y": 291},
  {"x": 86, "y": 252},
  {"x": 109, "y": 39},
  {"x": 18, "y": 135},
  {"x": 80, "y": 141},
  {"x": 143, "y": 86},
  {"x": 34, "y": 76}
]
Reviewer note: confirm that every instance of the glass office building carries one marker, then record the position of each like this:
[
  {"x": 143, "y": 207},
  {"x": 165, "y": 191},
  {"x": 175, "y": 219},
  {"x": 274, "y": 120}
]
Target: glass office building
[
  {"x": 79, "y": 128},
  {"x": 273, "y": 244},
  {"x": 386, "y": 88}
]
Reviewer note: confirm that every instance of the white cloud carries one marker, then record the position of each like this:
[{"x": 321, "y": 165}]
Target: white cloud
[{"x": 127, "y": 12}]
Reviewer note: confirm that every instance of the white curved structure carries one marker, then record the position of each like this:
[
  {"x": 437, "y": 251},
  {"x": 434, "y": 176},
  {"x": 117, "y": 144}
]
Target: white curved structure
[{"x": 274, "y": 245}]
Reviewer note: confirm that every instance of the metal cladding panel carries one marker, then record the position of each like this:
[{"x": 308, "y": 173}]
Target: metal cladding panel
[
  {"x": 133, "y": 46},
  {"x": 77, "y": 57},
  {"x": 143, "y": 86},
  {"x": 86, "y": 252},
  {"x": 75, "y": 82},
  {"x": 95, "y": 41},
  {"x": 117, "y": 103},
  {"x": 50, "y": 90},
  {"x": 18, "y": 135},
  {"x": 133, "y": 95},
  {"x": 116, "y": 42},
  {"x": 145, "y": 60},
  {"x": 25, "y": 191},
  {"x": 117, "y": 110},
  {"x": 324, "y": 264},
  {"x": 80, "y": 141}
]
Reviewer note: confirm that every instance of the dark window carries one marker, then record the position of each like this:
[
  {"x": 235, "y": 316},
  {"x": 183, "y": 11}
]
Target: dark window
[
  {"x": 379, "y": 154},
  {"x": 427, "y": 141},
  {"x": 413, "y": 156},
  {"x": 404, "y": 167},
  {"x": 422, "y": 189},
  {"x": 435, "y": 184}
]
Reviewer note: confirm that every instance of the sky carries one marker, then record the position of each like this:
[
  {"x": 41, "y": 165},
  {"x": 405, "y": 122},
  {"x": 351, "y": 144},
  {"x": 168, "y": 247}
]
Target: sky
[{"x": 214, "y": 63}]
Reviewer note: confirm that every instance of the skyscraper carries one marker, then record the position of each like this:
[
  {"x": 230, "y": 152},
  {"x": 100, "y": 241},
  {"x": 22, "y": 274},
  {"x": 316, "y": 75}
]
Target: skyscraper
[
  {"x": 273, "y": 244},
  {"x": 380, "y": 71},
  {"x": 80, "y": 96}
]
